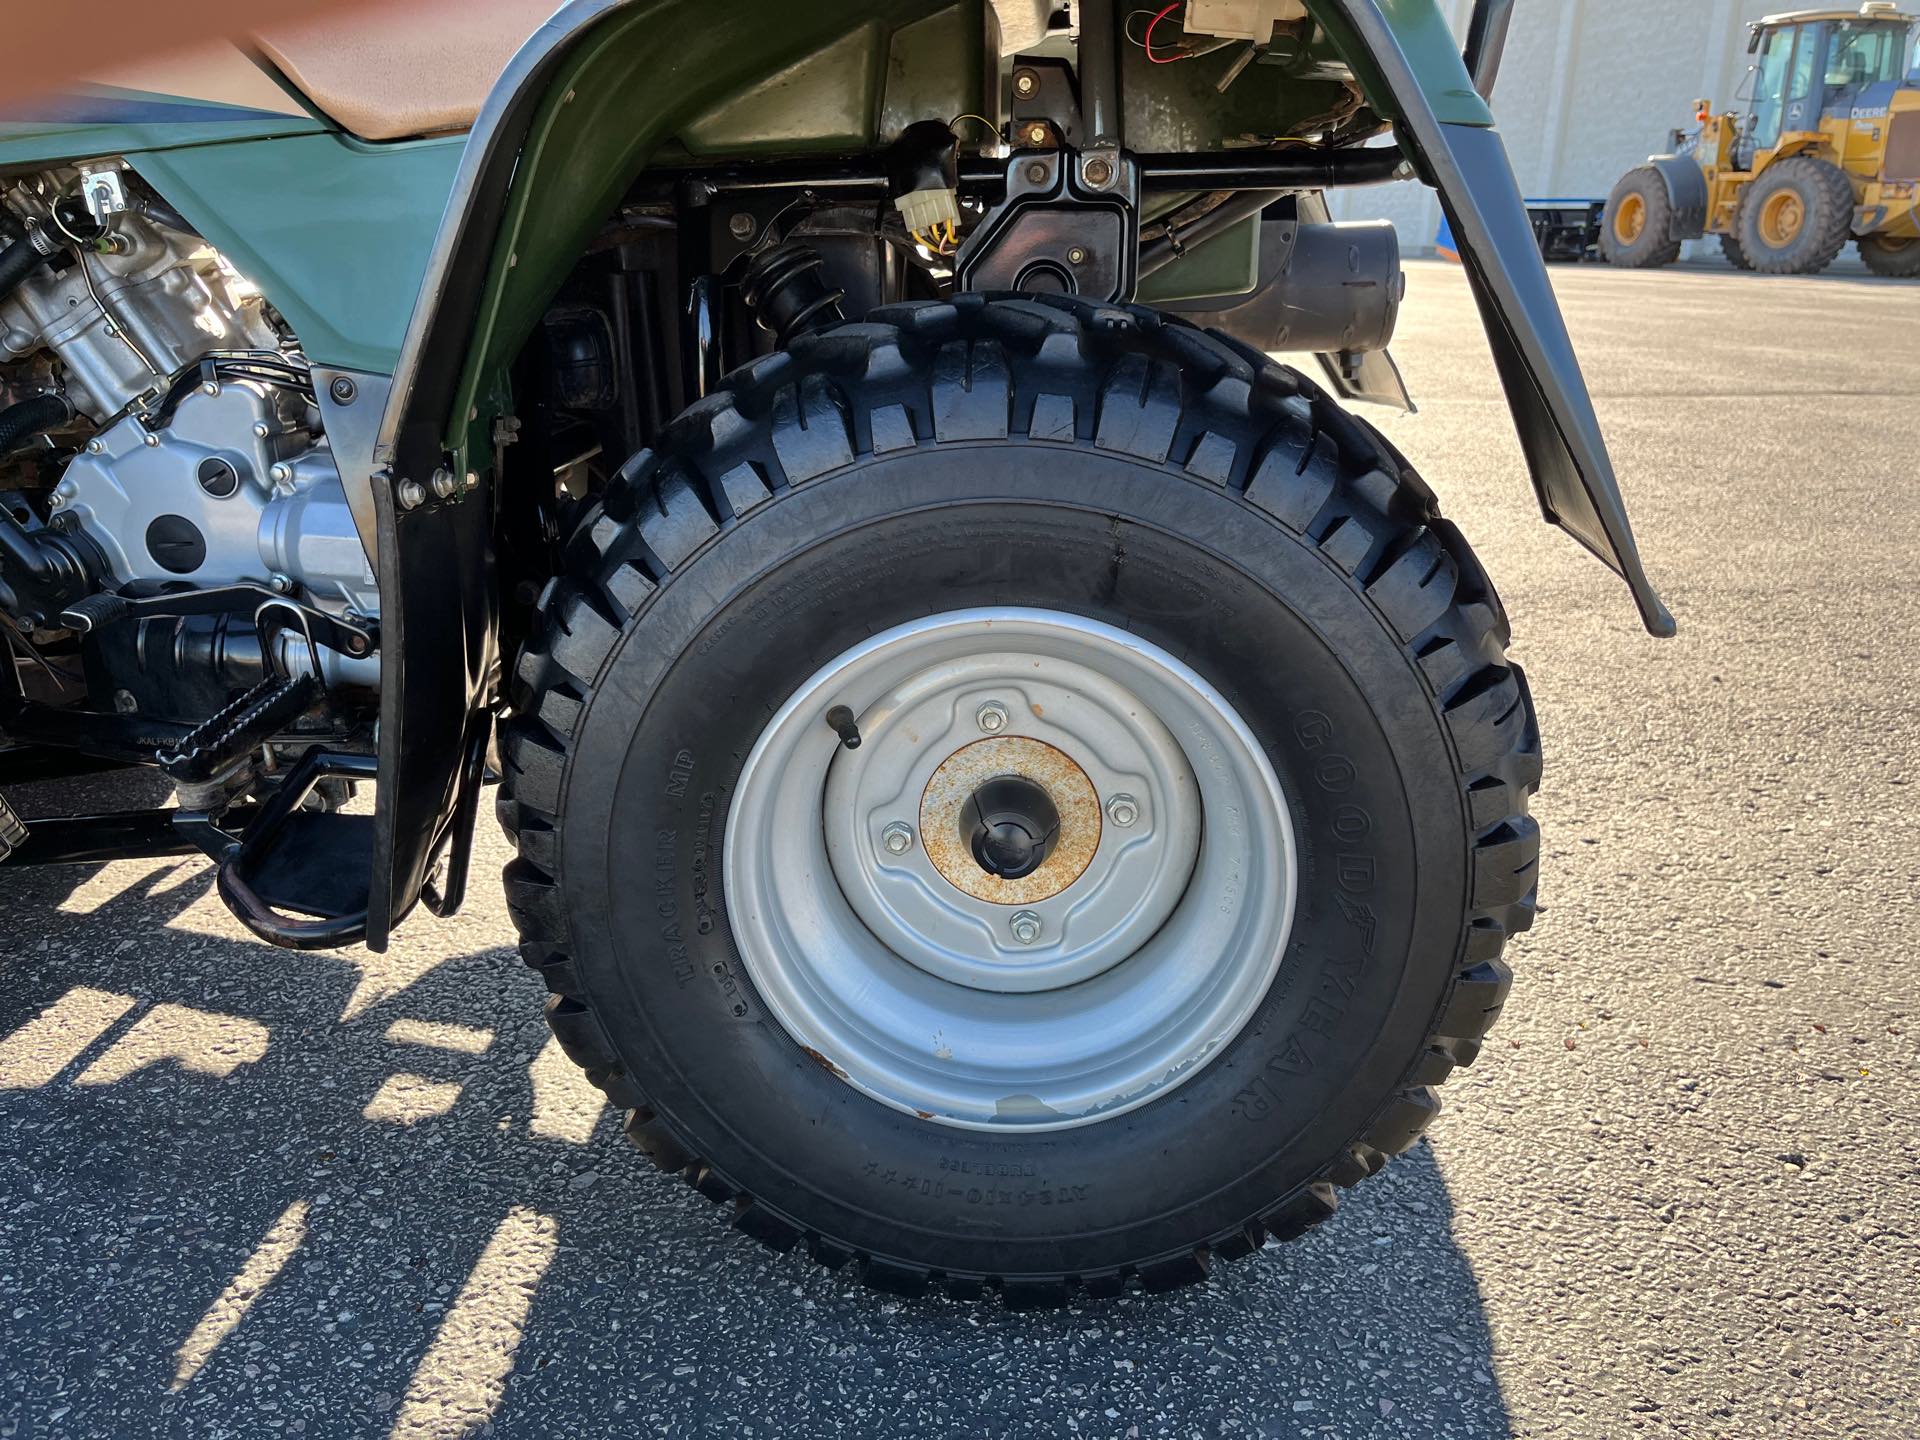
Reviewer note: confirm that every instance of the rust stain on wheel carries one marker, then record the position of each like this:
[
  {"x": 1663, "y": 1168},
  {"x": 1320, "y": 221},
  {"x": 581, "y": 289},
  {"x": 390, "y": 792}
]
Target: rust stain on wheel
[{"x": 945, "y": 823}]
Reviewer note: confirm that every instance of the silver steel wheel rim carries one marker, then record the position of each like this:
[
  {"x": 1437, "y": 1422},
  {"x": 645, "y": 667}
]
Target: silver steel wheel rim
[{"x": 1146, "y": 962}]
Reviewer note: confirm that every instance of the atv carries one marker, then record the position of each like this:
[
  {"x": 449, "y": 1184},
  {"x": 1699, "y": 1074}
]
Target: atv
[{"x": 1013, "y": 789}]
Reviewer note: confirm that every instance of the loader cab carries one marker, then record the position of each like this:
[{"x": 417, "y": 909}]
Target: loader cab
[{"x": 1819, "y": 63}]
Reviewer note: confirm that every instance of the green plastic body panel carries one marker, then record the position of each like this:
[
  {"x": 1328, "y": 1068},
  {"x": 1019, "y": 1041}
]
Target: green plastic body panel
[
  {"x": 29, "y": 145},
  {"x": 1432, "y": 51},
  {"x": 334, "y": 232},
  {"x": 611, "y": 107},
  {"x": 1228, "y": 264},
  {"x": 857, "y": 92}
]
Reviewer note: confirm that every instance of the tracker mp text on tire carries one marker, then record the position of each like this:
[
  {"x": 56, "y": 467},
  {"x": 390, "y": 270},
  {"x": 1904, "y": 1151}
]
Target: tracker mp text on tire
[{"x": 1087, "y": 584}]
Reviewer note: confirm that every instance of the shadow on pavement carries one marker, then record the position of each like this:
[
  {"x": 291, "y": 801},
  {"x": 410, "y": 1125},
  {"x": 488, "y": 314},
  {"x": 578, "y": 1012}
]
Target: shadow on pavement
[{"x": 226, "y": 1211}]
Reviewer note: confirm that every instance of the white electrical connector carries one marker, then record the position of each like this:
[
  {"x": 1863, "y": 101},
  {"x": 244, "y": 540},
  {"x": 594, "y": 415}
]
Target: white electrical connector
[
  {"x": 924, "y": 210},
  {"x": 1251, "y": 20}
]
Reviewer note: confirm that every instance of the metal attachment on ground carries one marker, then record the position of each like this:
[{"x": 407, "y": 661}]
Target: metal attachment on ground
[
  {"x": 842, "y": 721},
  {"x": 412, "y": 494},
  {"x": 898, "y": 838},
  {"x": 343, "y": 390},
  {"x": 444, "y": 484},
  {"x": 1123, "y": 810},
  {"x": 1026, "y": 927},
  {"x": 992, "y": 717}
]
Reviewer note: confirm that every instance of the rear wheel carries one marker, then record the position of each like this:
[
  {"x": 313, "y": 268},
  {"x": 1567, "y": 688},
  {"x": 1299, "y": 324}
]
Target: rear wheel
[
  {"x": 1736, "y": 256},
  {"x": 1635, "y": 229},
  {"x": 1021, "y": 795},
  {"x": 1897, "y": 259},
  {"x": 1797, "y": 217}
]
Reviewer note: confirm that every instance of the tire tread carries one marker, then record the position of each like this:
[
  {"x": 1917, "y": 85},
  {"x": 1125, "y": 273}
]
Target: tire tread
[{"x": 1050, "y": 371}]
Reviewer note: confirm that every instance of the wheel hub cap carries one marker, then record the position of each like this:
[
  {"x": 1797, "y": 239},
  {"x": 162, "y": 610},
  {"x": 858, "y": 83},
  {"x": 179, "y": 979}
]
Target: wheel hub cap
[{"x": 1053, "y": 879}]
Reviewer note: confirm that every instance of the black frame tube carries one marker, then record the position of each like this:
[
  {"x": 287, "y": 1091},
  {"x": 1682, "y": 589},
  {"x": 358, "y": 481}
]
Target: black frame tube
[
  {"x": 1099, "y": 67},
  {"x": 117, "y": 835}
]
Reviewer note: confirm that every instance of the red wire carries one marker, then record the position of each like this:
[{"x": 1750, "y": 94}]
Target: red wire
[{"x": 1146, "y": 42}]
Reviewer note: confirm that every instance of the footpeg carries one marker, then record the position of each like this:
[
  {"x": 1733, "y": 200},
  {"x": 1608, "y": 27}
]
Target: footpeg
[{"x": 242, "y": 726}]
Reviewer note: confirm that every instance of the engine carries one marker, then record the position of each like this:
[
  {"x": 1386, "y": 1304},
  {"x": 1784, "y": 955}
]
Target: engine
[{"x": 183, "y": 448}]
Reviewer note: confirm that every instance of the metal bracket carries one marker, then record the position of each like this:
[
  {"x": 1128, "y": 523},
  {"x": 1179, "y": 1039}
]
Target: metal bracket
[
  {"x": 1045, "y": 96},
  {"x": 1070, "y": 225}
]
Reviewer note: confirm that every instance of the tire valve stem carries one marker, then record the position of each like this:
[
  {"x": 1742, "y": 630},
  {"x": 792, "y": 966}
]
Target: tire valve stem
[{"x": 841, "y": 719}]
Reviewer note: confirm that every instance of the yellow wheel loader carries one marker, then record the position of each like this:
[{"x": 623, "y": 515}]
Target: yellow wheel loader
[{"x": 1827, "y": 150}]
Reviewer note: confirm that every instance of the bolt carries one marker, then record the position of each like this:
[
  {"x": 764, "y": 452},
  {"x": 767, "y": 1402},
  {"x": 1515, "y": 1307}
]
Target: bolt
[
  {"x": 1026, "y": 927},
  {"x": 444, "y": 485},
  {"x": 209, "y": 387},
  {"x": 898, "y": 838},
  {"x": 56, "y": 500},
  {"x": 1099, "y": 172},
  {"x": 282, "y": 584},
  {"x": 95, "y": 447},
  {"x": 1036, "y": 133},
  {"x": 151, "y": 439},
  {"x": 343, "y": 390},
  {"x": 1026, "y": 84},
  {"x": 741, "y": 226},
  {"x": 1123, "y": 810},
  {"x": 473, "y": 480},
  {"x": 992, "y": 717},
  {"x": 1037, "y": 173},
  {"x": 412, "y": 494},
  {"x": 281, "y": 474},
  {"x": 261, "y": 430},
  {"x": 124, "y": 702},
  {"x": 1076, "y": 256}
]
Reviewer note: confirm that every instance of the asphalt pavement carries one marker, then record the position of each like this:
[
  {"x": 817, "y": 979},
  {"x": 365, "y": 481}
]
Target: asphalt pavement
[{"x": 247, "y": 1192}]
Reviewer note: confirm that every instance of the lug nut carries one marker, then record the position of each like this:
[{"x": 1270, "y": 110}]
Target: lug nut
[
  {"x": 898, "y": 838},
  {"x": 1123, "y": 810},
  {"x": 1026, "y": 927},
  {"x": 993, "y": 717}
]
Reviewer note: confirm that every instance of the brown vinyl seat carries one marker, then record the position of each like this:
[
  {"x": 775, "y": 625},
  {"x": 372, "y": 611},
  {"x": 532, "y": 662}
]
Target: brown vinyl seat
[{"x": 403, "y": 68}]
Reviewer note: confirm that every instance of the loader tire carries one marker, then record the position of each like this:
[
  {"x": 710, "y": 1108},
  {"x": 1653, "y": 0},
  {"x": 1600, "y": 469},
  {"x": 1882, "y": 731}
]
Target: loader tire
[
  {"x": 1797, "y": 217},
  {"x": 1007, "y": 523},
  {"x": 1736, "y": 256},
  {"x": 1895, "y": 259},
  {"x": 1635, "y": 229}
]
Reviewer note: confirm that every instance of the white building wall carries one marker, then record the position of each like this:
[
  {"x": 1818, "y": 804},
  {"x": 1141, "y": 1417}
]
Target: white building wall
[{"x": 1588, "y": 89}]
